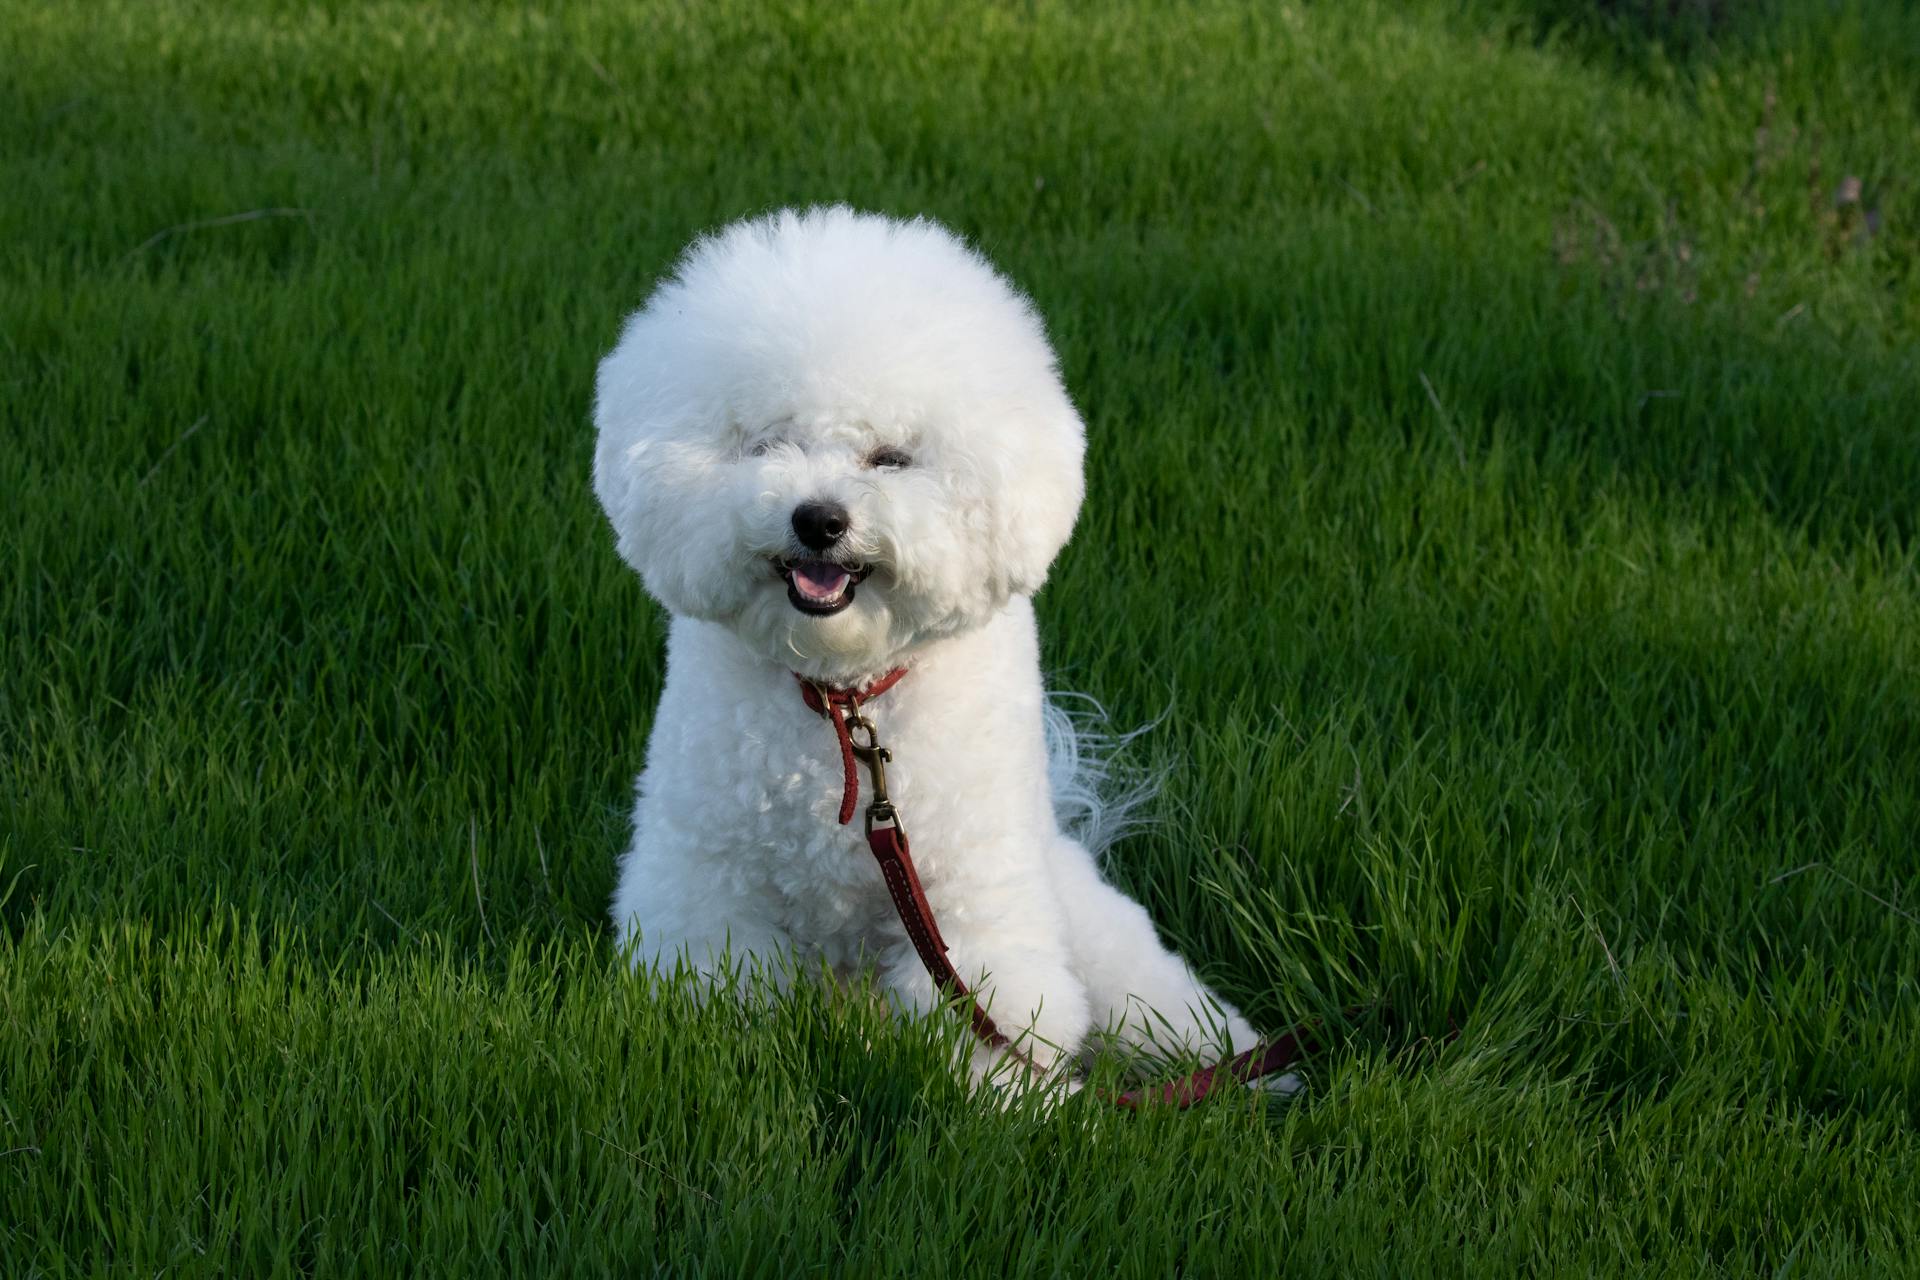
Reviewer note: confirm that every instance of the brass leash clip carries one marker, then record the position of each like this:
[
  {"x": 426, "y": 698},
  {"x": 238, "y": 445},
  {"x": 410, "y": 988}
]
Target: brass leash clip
[{"x": 864, "y": 738}]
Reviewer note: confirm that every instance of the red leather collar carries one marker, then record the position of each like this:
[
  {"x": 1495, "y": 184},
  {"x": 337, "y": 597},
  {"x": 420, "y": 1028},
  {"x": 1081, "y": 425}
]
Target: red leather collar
[{"x": 813, "y": 691}]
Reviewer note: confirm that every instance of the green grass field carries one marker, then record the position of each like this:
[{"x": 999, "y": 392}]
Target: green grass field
[{"x": 1505, "y": 484}]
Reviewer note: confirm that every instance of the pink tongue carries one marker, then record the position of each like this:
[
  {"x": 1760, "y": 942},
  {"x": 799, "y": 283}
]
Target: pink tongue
[{"x": 818, "y": 579}]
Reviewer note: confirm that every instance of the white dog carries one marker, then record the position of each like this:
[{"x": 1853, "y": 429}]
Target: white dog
[{"x": 834, "y": 445}]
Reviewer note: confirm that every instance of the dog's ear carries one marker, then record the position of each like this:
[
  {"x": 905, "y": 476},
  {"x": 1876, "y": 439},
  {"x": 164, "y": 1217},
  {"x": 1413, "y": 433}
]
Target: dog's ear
[
  {"x": 653, "y": 457},
  {"x": 624, "y": 415},
  {"x": 1041, "y": 487}
]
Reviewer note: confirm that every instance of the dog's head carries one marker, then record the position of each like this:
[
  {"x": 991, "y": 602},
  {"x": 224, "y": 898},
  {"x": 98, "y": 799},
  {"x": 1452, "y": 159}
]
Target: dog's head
[{"x": 838, "y": 435}]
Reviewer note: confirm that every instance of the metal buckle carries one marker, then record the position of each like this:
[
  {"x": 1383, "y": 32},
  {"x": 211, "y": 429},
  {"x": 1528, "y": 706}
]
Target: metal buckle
[
  {"x": 881, "y": 813},
  {"x": 864, "y": 740},
  {"x": 821, "y": 696},
  {"x": 870, "y": 753}
]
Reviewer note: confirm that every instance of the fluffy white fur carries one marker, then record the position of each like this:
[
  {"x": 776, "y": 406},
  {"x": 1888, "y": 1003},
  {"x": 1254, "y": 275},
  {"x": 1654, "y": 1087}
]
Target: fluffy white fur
[{"x": 774, "y": 369}]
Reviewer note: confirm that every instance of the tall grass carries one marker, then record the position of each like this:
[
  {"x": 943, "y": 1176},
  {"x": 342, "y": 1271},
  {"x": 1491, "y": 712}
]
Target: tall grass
[{"x": 1503, "y": 489}]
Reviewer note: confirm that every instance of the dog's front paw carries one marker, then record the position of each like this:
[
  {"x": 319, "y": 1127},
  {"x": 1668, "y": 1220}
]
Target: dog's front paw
[
  {"x": 1045, "y": 1094},
  {"x": 1284, "y": 1085}
]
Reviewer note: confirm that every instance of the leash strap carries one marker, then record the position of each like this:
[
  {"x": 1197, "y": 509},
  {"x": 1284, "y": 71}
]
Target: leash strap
[
  {"x": 1263, "y": 1059},
  {"x": 835, "y": 704},
  {"x": 887, "y": 838},
  {"x": 888, "y": 841},
  {"x": 889, "y": 845}
]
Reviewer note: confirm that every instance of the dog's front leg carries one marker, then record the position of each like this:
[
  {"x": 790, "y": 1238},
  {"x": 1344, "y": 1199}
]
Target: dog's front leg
[
  {"x": 1143, "y": 994},
  {"x": 671, "y": 917},
  {"x": 1033, "y": 997},
  {"x": 1006, "y": 937}
]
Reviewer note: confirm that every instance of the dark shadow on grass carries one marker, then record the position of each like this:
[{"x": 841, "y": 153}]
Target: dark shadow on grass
[
  {"x": 1634, "y": 33},
  {"x": 1659, "y": 42}
]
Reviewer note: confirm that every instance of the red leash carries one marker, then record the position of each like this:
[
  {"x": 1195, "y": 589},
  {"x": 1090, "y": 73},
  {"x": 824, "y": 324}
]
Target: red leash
[{"x": 888, "y": 840}]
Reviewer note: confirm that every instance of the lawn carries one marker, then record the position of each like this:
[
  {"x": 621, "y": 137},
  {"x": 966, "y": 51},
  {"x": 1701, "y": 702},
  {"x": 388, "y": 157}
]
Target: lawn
[{"x": 1504, "y": 495}]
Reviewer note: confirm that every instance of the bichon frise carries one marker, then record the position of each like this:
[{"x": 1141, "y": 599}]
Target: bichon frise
[{"x": 836, "y": 446}]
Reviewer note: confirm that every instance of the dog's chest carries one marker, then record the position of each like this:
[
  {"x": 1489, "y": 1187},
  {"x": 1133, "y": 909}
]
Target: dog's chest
[{"x": 784, "y": 780}]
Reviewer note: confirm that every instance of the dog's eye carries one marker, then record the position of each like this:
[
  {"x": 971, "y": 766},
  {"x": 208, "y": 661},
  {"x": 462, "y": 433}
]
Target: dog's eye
[
  {"x": 889, "y": 459},
  {"x": 760, "y": 449}
]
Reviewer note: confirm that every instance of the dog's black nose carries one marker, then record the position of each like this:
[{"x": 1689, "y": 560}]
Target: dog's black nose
[{"x": 820, "y": 524}]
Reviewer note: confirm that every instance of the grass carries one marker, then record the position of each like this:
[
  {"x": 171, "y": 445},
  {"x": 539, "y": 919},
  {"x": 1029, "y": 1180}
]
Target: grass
[{"x": 1504, "y": 474}]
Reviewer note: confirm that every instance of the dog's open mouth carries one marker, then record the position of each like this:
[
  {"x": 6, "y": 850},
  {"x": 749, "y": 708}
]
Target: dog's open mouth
[{"x": 820, "y": 587}]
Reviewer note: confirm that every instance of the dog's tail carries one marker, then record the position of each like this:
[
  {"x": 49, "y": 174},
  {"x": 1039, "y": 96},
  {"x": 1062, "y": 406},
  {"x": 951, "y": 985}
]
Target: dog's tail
[{"x": 1096, "y": 798}]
